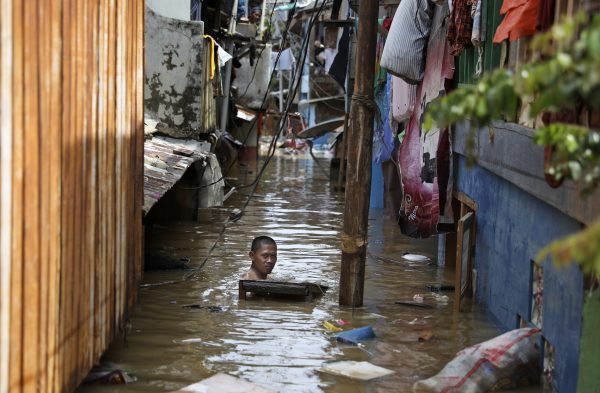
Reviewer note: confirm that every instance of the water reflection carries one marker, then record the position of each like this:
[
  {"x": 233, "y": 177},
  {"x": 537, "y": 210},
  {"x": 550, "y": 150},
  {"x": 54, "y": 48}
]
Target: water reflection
[{"x": 281, "y": 344}]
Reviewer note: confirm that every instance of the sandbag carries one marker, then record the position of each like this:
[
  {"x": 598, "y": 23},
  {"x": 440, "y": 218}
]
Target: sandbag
[
  {"x": 504, "y": 362},
  {"x": 406, "y": 44}
]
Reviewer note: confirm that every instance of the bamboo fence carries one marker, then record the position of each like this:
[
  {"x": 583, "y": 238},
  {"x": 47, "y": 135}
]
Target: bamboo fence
[{"x": 71, "y": 176}]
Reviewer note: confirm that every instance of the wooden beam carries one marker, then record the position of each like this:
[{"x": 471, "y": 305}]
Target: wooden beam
[{"x": 358, "y": 183}]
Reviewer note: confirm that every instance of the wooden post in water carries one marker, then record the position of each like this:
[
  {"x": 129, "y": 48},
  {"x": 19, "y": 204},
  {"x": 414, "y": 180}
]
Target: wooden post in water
[{"x": 359, "y": 151}]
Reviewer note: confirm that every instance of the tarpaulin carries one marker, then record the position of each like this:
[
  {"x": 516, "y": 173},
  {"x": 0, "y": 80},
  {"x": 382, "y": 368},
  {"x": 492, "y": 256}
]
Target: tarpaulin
[
  {"x": 383, "y": 136},
  {"x": 425, "y": 157},
  {"x": 520, "y": 19}
]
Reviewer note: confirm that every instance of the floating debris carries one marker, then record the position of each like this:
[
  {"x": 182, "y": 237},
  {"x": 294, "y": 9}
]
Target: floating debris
[
  {"x": 329, "y": 326},
  {"x": 223, "y": 383},
  {"x": 355, "y": 336},
  {"x": 415, "y": 257},
  {"x": 414, "y": 304},
  {"x": 426, "y": 335},
  {"x": 363, "y": 371}
]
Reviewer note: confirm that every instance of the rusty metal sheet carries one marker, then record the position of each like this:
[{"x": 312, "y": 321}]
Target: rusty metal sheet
[{"x": 165, "y": 162}]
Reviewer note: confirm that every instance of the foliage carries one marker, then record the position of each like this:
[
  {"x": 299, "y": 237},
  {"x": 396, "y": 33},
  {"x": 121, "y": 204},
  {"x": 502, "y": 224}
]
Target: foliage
[{"x": 559, "y": 84}]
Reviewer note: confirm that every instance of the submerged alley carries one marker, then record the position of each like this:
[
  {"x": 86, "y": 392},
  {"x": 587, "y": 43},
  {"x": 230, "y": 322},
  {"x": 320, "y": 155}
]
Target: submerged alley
[
  {"x": 188, "y": 331},
  {"x": 320, "y": 196}
]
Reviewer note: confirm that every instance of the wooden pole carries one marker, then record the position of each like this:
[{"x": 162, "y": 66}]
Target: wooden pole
[{"x": 360, "y": 146}]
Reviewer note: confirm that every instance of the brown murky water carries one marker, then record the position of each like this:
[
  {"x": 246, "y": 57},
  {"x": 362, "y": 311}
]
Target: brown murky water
[{"x": 282, "y": 344}]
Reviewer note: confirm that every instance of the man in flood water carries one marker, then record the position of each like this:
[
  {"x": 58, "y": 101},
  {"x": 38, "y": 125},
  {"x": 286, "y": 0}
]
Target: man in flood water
[{"x": 263, "y": 254}]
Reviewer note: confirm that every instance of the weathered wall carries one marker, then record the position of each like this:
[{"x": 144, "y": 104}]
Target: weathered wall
[
  {"x": 512, "y": 226},
  {"x": 71, "y": 180},
  {"x": 174, "y": 74},
  {"x": 590, "y": 343},
  {"x": 252, "y": 82},
  {"x": 177, "y": 9}
]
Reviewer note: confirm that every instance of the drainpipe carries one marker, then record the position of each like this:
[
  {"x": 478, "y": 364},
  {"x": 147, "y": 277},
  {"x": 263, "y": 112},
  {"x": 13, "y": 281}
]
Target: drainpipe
[{"x": 227, "y": 84}]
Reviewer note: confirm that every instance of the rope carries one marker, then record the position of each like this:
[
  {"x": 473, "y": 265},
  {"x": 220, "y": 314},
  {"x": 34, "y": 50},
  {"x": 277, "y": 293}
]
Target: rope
[{"x": 369, "y": 103}]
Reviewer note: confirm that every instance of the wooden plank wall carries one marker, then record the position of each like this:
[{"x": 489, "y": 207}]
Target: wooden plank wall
[{"x": 71, "y": 176}]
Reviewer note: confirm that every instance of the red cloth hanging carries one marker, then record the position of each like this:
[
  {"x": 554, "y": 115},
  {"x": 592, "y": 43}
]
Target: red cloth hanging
[{"x": 520, "y": 19}]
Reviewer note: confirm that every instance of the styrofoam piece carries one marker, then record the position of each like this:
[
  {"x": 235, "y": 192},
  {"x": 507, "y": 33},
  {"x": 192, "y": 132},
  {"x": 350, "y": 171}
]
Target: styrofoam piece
[
  {"x": 415, "y": 257},
  {"x": 363, "y": 371},
  {"x": 223, "y": 383}
]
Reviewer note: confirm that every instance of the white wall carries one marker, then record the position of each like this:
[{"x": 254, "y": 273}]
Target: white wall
[{"x": 178, "y": 9}]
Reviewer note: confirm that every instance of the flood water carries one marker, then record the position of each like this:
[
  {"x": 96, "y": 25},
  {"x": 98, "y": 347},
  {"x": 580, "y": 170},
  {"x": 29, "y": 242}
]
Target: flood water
[{"x": 281, "y": 344}]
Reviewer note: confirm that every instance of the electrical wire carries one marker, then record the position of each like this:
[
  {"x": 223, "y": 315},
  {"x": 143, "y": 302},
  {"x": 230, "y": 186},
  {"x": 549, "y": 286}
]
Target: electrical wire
[{"x": 270, "y": 153}]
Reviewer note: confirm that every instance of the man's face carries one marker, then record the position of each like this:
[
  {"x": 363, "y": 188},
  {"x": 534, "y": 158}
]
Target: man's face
[{"x": 264, "y": 258}]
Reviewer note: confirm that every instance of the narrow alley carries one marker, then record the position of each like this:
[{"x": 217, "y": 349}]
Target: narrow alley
[
  {"x": 280, "y": 343},
  {"x": 303, "y": 196}
]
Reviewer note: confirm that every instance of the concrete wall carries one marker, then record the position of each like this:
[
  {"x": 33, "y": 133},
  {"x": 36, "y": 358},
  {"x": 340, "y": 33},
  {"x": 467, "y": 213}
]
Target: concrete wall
[
  {"x": 512, "y": 226},
  {"x": 174, "y": 74},
  {"x": 517, "y": 215},
  {"x": 177, "y": 9}
]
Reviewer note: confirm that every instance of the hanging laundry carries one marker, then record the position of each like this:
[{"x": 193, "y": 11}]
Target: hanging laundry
[
  {"x": 403, "y": 99},
  {"x": 460, "y": 26},
  {"x": 380, "y": 79},
  {"x": 383, "y": 136},
  {"x": 545, "y": 17},
  {"x": 520, "y": 20},
  {"x": 478, "y": 31},
  {"x": 478, "y": 34},
  {"x": 425, "y": 156},
  {"x": 404, "y": 51},
  {"x": 339, "y": 66}
]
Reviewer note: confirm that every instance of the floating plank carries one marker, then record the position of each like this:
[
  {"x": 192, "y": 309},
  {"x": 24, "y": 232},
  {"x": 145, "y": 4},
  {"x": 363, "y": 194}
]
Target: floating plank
[{"x": 264, "y": 287}]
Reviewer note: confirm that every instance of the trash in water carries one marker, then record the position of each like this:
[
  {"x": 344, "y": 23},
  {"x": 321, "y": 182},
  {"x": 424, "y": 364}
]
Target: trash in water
[
  {"x": 439, "y": 288},
  {"x": 341, "y": 322},
  {"x": 370, "y": 316},
  {"x": 209, "y": 308},
  {"x": 443, "y": 299},
  {"x": 425, "y": 335},
  {"x": 415, "y": 257},
  {"x": 223, "y": 383},
  {"x": 109, "y": 373},
  {"x": 363, "y": 371},
  {"x": 329, "y": 326},
  {"x": 235, "y": 214},
  {"x": 507, "y": 360},
  {"x": 414, "y": 321},
  {"x": 414, "y": 304},
  {"x": 355, "y": 336},
  {"x": 418, "y": 298},
  {"x": 191, "y": 340}
]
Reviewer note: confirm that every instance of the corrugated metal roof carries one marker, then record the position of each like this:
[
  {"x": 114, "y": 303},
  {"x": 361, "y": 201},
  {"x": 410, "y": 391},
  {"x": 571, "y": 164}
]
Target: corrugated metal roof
[{"x": 165, "y": 162}]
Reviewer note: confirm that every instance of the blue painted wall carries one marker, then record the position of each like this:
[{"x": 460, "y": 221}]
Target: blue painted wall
[
  {"x": 377, "y": 187},
  {"x": 512, "y": 226}
]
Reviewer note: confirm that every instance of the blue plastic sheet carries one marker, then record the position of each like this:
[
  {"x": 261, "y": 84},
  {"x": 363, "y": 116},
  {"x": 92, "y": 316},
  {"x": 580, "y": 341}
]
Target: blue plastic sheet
[{"x": 383, "y": 137}]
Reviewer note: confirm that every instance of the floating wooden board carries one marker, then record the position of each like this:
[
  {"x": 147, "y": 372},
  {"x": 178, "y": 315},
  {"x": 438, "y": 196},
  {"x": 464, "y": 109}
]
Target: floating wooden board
[
  {"x": 223, "y": 383},
  {"x": 264, "y": 287}
]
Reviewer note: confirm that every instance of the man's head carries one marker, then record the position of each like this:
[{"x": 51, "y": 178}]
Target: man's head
[
  {"x": 255, "y": 14},
  {"x": 263, "y": 254}
]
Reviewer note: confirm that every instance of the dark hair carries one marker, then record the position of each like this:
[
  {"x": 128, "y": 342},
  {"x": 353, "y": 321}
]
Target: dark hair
[{"x": 259, "y": 241}]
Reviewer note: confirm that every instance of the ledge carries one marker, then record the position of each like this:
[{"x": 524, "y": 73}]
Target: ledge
[{"x": 508, "y": 151}]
